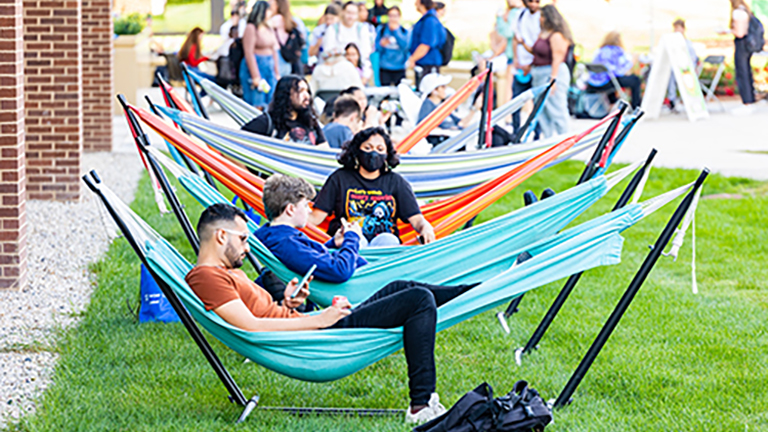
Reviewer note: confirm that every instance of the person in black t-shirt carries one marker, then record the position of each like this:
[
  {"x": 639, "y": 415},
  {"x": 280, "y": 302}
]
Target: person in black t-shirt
[
  {"x": 366, "y": 190},
  {"x": 290, "y": 116}
]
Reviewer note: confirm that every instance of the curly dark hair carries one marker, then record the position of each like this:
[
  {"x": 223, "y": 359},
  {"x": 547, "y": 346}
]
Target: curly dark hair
[
  {"x": 350, "y": 150},
  {"x": 281, "y": 105}
]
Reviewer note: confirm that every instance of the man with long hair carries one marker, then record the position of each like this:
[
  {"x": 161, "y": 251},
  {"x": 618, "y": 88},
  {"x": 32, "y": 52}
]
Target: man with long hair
[{"x": 291, "y": 116}]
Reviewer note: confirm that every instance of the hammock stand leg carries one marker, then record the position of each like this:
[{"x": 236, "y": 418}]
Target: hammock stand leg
[
  {"x": 172, "y": 104},
  {"x": 533, "y": 342},
  {"x": 196, "y": 98},
  {"x": 484, "y": 110},
  {"x": 187, "y": 161},
  {"x": 235, "y": 394},
  {"x": 536, "y": 107},
  {"x": 586, "y": 175},
  {"x": 173, "y": 200},
  {"x": 565, "y": 396}
]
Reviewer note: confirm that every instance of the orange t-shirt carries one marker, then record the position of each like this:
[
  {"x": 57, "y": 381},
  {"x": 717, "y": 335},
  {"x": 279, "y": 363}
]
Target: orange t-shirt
[{"x": 216, "y": 286}]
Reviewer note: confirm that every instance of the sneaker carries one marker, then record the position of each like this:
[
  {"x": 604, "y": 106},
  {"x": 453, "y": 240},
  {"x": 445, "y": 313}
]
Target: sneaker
[
  {"x": 743, "y": 110},
  {"x": 433, "y": 410}
]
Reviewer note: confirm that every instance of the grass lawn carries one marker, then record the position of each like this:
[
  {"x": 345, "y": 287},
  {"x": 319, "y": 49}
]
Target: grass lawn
[{"x": 677, "y": 361}]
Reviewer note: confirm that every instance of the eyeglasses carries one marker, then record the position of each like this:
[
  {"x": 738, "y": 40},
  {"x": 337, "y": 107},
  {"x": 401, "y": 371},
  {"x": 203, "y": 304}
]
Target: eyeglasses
[{"x": 243, "y": 235}]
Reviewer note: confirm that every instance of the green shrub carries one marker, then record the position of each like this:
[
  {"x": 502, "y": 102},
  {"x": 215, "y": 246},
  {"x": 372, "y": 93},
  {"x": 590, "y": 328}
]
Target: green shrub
[{"x": 129, "y": 25}]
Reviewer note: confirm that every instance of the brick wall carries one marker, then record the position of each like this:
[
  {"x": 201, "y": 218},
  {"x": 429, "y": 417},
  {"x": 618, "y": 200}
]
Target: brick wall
[
  {"x": 98, "y": 94},
  {"x": 53, "y": 98},
  {"x": 13, "y": 251}
]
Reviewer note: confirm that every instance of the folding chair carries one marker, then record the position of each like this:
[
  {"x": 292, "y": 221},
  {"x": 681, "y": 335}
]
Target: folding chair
[
  {"x": 710, "y": 85},
  {"x": 599, "y": 68}
]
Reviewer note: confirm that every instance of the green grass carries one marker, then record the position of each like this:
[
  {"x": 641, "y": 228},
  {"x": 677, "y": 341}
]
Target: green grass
[{"x": 677, "y": 361}]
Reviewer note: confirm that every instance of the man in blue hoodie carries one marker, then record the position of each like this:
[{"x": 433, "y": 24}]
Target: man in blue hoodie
[{"x": 286, "y": 203}]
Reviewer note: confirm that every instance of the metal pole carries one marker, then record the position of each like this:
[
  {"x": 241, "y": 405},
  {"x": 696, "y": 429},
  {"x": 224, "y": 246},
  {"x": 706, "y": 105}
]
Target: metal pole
[
  {"x": 574, "y": 279},
  {"x": 236, "y": 395},
  {"x": 173, "y": 199},
  {"x": 483, "y": 111},
  {"x": 634, "y": 286},
  {"x": 585, "y": 175},
  {"x": 187, "y": 161},
  {"x": 173, "y": 105},
  {"x": 591, "y": 168},
  {"x": 536, "y": 106},
  {"x": 192, "y": 89}
]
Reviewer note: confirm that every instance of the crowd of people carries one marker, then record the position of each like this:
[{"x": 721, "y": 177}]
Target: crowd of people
[{"x": 354, "y": 47}]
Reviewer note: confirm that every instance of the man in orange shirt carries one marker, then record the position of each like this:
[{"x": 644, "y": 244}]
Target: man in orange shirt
[{"x": 226, "y": 290}]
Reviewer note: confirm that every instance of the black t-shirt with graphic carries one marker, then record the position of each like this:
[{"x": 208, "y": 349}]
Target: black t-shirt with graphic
[
  {"x": 377, "y": 204},
  {"x": 294, "y": 131}
]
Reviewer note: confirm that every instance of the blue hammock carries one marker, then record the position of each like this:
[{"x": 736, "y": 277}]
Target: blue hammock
[
  {"x": 327, "y": 355},
  {"x": 467, "y": 256}
]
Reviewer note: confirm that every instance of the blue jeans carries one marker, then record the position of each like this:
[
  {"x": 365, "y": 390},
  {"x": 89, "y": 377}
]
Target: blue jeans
[
  {"x": 266, "y": 65},
  {"x": 381, "y": 240},
  {"x": 412, "y": 305},
  {"x": 554, "y": 116}
]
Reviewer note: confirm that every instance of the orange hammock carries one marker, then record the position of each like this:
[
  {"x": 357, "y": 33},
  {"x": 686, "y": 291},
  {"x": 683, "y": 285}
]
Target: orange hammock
[
  {"x": 446, "y": 215},
  {"x": 433, "y": 120}
]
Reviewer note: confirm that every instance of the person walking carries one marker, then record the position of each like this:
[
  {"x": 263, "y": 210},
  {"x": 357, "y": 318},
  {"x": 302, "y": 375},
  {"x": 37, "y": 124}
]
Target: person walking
[
  {"x": 526, "y": 27},
  {"x": 392, "y": 46},
  {"x": 259, "y": 69},
  {"x": 740, "y": 16},
  {"x": 427, "y": 38},
  {"x": 548, "y": 63}
]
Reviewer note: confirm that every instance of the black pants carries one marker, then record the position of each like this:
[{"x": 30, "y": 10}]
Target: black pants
[
  {"x": 632, "y": 82},
  {"x": 742, "y": 58},
  {"x": 412, "y": 305},
  {"x": 391, "y": 77},
  {"x": 425, "y": 70}
]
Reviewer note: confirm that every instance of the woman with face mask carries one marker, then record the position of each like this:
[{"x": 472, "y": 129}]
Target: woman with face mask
[{"x": 366, "y": 191}]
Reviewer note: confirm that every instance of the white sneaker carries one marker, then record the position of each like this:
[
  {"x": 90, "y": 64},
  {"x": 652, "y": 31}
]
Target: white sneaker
[
  {"x": 743, "y": 110},
  {"x": 433, "y": 409}
]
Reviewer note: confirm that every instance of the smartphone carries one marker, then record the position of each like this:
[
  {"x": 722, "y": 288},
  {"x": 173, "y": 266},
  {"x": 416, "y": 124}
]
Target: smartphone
[{"x": 304, "y": 280}]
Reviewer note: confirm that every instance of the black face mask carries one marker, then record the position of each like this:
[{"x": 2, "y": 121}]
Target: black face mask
[{"x": 372, "y": 161}]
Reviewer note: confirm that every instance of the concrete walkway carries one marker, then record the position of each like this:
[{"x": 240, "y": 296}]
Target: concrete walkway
[{"x": 727, "y": 144}]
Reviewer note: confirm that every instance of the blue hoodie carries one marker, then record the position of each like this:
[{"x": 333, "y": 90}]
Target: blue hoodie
[{"x": 298, "y": 252}]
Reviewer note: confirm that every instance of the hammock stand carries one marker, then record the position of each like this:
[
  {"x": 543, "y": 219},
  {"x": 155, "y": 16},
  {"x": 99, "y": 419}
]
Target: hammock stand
[
  {"x": 645, "y": 269},
  {"x": 574, "y": 279},
  {"x": 607, "y": 146},
  {"x": 235, "y": 393}
]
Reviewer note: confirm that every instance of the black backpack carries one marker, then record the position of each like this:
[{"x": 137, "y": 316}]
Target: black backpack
[
  {"x": 291, "y": 50},
  {"x": 755, "y": 35},
  {"x": 521, "y": 410},
  {"x": 447, "y": 49}
]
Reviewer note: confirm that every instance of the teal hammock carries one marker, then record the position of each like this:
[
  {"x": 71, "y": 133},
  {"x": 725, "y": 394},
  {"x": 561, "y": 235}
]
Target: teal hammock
[
  {"x": 326, "y": 355},
  {"x": 466, "y": 256}
]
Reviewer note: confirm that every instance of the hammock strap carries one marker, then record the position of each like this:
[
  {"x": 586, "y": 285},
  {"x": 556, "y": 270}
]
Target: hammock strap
[
  {"x": 677, "y": 240},
  {"x": 639, "y": 192}
]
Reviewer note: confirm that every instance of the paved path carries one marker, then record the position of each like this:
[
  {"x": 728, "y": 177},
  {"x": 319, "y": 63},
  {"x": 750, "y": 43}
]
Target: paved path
[{"x": 725, "y": 143}]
